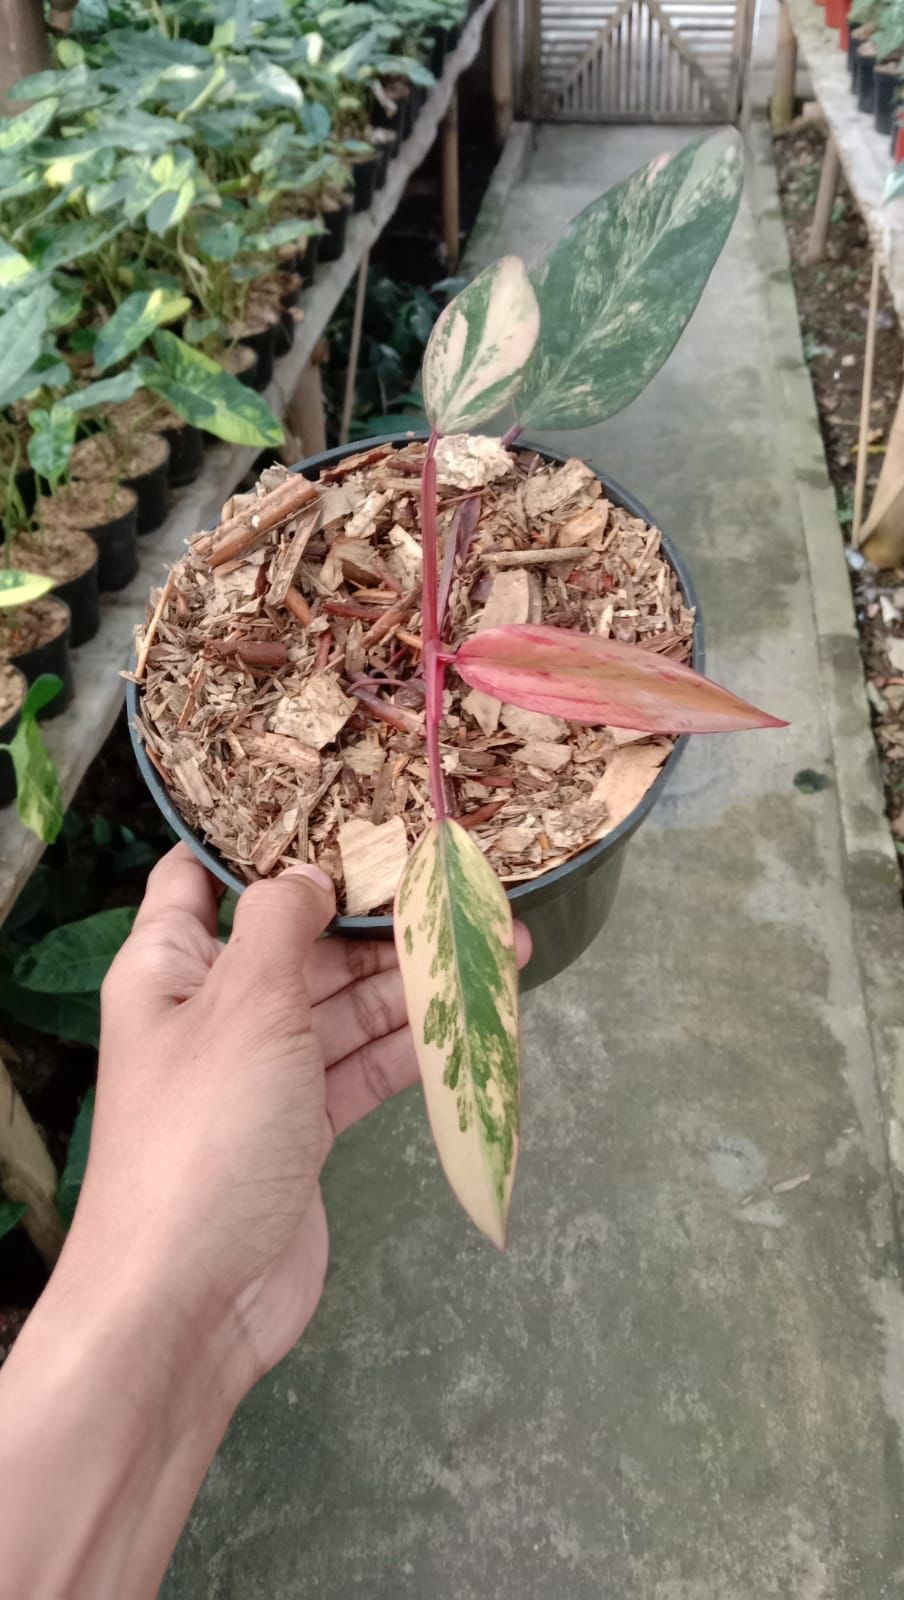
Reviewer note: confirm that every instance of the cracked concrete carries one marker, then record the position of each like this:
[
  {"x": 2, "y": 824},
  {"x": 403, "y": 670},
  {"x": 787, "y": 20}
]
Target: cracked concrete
[{"x": 685, "y": 1380}]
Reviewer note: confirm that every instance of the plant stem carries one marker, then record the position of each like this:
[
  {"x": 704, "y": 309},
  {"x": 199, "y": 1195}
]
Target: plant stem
[
  {"x": 509, "y": 438},
  {"x": 434, "y": 666}
]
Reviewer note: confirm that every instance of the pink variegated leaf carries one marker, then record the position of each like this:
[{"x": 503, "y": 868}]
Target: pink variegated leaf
[{"x": 587, "y": 679}]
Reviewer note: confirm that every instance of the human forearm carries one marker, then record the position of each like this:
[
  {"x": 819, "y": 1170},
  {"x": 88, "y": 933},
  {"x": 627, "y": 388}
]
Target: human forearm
[{"x": 110, "y": 1413}]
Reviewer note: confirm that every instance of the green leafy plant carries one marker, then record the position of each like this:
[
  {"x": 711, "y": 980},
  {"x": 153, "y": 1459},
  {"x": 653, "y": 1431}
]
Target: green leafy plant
[
  {"x": 572, "y": 342},
  {"x": 39, "y": 799}
]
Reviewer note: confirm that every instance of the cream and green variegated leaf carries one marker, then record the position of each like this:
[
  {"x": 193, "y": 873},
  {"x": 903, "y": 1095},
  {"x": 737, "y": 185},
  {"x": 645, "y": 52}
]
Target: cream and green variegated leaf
[
  {"x": 138, "y": 316},
  {"x": 618, "y": 288},
  {"x": 477, "y": 350},
  {"x": 20, "y": 588},
  {"x": 455, "y": 943}
]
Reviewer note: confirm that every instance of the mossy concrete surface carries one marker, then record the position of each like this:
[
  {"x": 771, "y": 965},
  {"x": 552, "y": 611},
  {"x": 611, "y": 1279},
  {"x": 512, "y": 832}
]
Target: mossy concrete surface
[{"x": 685, "y": 1379}]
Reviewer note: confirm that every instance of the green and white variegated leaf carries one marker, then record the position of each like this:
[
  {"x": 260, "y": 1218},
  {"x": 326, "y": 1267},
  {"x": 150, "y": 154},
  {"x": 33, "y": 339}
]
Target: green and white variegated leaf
[
  {"x": 479, "y": 346},
  {"x": 207, "y": 396},
  {"x": 105, "y": 392},
  {"x": 22, "y": 330},
  {"x": 134, "y": 321},
  {"x": 50, "y": 443},
  {"x": 20, "y": 588},
  {"x": 39, "y": 799},
  {"x": 618, "y": 288},
  {"x": 455, "y": 943},
  {"x": 13, "y": 265},
  {"x": 16, "y": 133}
]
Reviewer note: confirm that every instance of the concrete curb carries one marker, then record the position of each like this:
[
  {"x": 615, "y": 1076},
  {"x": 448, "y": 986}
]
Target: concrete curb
[
  {"x": 508, "y": 171},
  {"x": 870, "y": 861}
]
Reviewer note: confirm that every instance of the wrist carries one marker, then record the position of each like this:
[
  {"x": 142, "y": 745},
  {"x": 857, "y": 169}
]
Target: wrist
[{"x": 113, "y": 1408}]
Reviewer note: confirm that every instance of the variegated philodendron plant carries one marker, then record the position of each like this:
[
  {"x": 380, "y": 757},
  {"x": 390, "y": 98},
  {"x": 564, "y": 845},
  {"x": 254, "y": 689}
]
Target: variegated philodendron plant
[
  {"x": 39, "y": 799},
  {"x": 567, "y": 344}
]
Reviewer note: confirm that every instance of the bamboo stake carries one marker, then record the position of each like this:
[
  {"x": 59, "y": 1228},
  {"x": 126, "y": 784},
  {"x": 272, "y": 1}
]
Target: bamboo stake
[
  {"x": 865, "y": 398},
  {"x": 27, "y": 1174},
  {"x": 354, "y": 349},
  {"x": 304, "y": 413},
  {"x": 501, "y": 69},
  {"x": 825, "y": 199},
  {"x": 781, "y": 109},
  {"x": 23, "y": 37},
  {"x": 449, "y": 137}
]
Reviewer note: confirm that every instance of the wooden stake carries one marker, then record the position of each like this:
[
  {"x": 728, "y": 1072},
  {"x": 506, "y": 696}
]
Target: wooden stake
[
  {"x": 354, "y": 349},
  {"x": 865, "y": 398},
  {"x": 501, "y": 69},
  {"x": 449, "y": 138},
  {"x": 781, "y": 110},
  {"x": 825, "y": 199},
  {"x": 304, "y": 413},
  {"x": 24, "y": 47},
  {"x": 27, "y": 1174}
]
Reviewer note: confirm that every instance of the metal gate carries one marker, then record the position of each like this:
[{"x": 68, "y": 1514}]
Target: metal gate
[{"x": 637, "y": 60}]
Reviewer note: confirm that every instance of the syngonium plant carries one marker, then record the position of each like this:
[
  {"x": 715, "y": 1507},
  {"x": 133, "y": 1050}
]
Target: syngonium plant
[
  {"x": 568, "y": 344},
  {"x": 39, "y": 799}
]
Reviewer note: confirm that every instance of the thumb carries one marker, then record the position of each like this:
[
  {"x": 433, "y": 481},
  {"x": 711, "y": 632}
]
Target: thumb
[{"x": 276, "y": 924}]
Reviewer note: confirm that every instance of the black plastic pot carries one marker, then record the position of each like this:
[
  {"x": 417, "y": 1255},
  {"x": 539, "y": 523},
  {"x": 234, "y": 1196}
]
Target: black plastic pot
[
  {"x": 438, "y": 51},
  {"x": 856, "y": 38},
  {"x": 866, "y": 77},
  {"x": 886, "y": 87},
  {"x": 332, "y": 243},
  {"x": 82, "y": 596},
  {"x": 417, "y": 99},
  {"x": 7, "y": 770},
  {"x": 567, "y": 907},
  {"x": 406, "y": 117},
  {"x": 364, "y": 174},
  {"x": 152, "y": 489},
  {"x": 382, "y": 168},
  {"x": 453, "y": 34},
  {"x": 51, "y": 657},
  {"x": 308, "y": 258},
  {"x": 117, "y": 545},
  {"x": 26, "y": 483},
  {"x": 186, "y": 457},
  {"x": 284, "y": 334},
  {"x": 381, "y": 118},
  {"x": 262, "y": 342}
]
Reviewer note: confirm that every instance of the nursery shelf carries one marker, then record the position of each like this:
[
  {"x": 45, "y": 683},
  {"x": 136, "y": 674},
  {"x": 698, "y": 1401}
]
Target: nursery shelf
[
  {"x": 75, "y": 737},
  {"x": 864, "y": 153}
]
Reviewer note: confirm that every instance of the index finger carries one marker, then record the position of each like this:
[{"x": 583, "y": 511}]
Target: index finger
[{"x": 179, "y": 883}]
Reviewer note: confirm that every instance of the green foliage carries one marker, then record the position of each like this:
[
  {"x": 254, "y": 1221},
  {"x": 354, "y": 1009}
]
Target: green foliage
[
  {"x": 75, "y": 959},
  {"x": 205, "y": 395},
  {"x": 133, "y": 322},
  {"x": 76, "y": 1161},
  {"x": 11, "y": 1213},
  {"x": 39, "y": 799},
  {"x": 20, "y": 588}
]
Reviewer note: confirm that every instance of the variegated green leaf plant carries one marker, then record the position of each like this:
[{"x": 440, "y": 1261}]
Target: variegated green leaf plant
[{"x": 568, "y": 344}]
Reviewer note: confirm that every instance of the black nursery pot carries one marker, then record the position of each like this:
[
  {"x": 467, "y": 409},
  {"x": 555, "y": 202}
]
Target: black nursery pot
[
  {"x": 27, "y": 485},
  {"x": 364, "y": 174},
  {"x": 332, "y": 243},
  {"x": 7, "y": 770},
  {"x": 186, "y": 457},
  {"x": 82, "y": 596},
  {"x": 382, "y": 168},
  {"x": 263, "y": 343},
  {"x": 566, "y": 908},
  {"x": 284, "y": 333},
  {"x": 51, "y": 657},
  {"x": 117, "y": 547},
  {"x": 866, "y": 80},
  {"x": 152, "y": 489},
  {"x": 308, "y": 259},
  {"x": 886, "y": 85},
  {"x": 438, "y": 52}
]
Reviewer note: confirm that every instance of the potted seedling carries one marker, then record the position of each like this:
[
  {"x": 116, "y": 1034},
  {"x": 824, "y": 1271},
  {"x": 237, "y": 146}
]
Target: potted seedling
[
  {"x": 27, "y": 773},
  {"x": 34, "y": 633},
  {"x": 385, "y": 655}
]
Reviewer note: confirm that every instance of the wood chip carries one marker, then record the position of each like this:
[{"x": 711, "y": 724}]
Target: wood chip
[
  {"x": 287, "y": 561},
  {"x": 539, "y": 753},
  {"x": 373, "y": 859},
  {"x": 276, "y": 841},
  {"x": 470, "y": 461},
  {"x": 283, "y": 750},
  {"x": 508, "y": 601},
  {"x": 628, "y": 775},
  {"x": 315, "y": 714},
  {"x": 546, "y": 492},
  {"x": 532, "y": 725}
]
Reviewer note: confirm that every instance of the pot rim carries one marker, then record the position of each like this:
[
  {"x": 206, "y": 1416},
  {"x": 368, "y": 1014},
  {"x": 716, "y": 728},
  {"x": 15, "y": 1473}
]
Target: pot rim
[{"x": 379, "y": 926}]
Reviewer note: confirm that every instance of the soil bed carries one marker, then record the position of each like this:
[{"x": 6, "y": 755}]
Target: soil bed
[
  {"x": 91, "y": 503},
  {"x": 34, "y": 625},
  {"x": 126, "y": 457},
  {"x": 12, "y": 692},
  {"x": 58, "y": 551},
  {"x": 832, "y": 298},
  {"x": 283, "y": 704}
]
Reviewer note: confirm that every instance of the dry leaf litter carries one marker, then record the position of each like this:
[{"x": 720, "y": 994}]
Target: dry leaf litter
[{"x": 283, "y": 703}]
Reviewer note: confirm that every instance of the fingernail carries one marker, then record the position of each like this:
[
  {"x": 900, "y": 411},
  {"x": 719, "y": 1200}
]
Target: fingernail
[{"x": 316, "y": 875}]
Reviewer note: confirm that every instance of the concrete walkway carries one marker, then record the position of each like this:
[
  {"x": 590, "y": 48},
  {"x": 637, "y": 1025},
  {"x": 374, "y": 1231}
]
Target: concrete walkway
[{"x": 685, "y": 1381}]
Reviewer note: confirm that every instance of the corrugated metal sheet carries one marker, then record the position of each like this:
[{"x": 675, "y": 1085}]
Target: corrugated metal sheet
[{"x": 642, "y": 60}]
